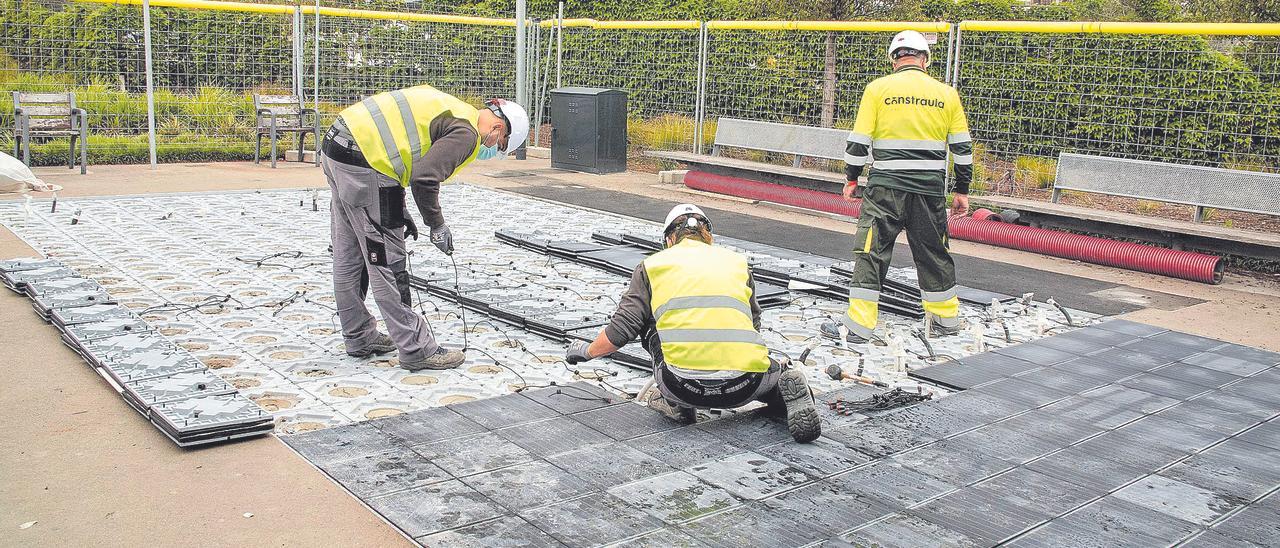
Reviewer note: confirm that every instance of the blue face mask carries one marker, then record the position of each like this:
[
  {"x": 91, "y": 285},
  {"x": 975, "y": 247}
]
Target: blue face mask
[{"x": 487, "y": 153}]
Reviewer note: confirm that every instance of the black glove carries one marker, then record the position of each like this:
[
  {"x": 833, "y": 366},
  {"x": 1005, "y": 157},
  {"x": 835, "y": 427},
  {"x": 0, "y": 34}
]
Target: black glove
[
  {"x": 410, "y": 229},
  {"x": 443, "y": 239},
  {"x": 578, "y": 354}
]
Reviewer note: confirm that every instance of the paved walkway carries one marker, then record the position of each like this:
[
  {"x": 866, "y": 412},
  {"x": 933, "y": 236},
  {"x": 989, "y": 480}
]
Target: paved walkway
[{"x": 84, "y": 467}]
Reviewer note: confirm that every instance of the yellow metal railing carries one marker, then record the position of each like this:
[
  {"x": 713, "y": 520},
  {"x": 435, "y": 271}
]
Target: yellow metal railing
[{"x": 1065, "y": 27}]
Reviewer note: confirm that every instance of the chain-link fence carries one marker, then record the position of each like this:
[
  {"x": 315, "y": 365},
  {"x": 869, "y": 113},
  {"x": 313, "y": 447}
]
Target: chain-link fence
[
  {"x": 47, "y": 46},
  {"x": 1187, "y": 99},
  {"x": 657, "y": 67},
  {"x": 1031, "y": 92}
]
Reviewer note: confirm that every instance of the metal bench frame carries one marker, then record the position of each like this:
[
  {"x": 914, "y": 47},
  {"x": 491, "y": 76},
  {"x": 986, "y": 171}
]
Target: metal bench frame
[
  {"x": 800, "y": 141},
  {"x": 276, "y": 114},
  {"x": 50, "y": 115},
  {"x": 1198, "y": 186}
]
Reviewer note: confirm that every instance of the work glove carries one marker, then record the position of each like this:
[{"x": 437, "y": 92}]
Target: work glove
[
  {"x": 851, "y": 191},
  {"x": 410, "y": 229},
  {"x": 442, "y": 238},
  {"x": 578, "y": 354}
]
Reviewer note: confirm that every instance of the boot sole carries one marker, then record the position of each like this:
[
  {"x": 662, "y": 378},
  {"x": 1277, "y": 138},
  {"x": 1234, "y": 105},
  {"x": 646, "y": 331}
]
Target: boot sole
[
  {"x": 371, "y": 352},
  {"x": 802, "y": 416},
  {"x": 434, "y": 367}
]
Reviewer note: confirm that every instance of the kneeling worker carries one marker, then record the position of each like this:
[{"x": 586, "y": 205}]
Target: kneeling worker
[
  {"x": 411, "y": 138},
  {"x": 695, "y": 305}
]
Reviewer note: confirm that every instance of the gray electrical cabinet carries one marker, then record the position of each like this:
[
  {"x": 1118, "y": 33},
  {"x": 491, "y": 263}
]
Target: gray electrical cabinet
[{"x": 589, "y": 129}]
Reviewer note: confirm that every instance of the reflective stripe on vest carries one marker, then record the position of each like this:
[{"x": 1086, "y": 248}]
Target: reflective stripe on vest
[
  {"x": 394, "y": 128},
  {"x": 702, "y": 306}
]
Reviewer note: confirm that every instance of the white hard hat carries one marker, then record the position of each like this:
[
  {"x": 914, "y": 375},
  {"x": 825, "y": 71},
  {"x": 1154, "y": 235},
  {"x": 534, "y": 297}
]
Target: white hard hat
[
  {"x": 909, "y": 39},
  {"x": 517, "y": 118},
  {"x": 679, "y": 211}
]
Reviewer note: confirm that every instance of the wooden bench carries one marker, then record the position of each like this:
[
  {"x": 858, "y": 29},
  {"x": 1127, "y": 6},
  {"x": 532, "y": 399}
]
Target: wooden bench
[
  {"x": 798, "y": 141},
  {"x": 1198, "y": 186},
  {"x": 276, "y": 114},
  {"x": 49, "y": 115}
]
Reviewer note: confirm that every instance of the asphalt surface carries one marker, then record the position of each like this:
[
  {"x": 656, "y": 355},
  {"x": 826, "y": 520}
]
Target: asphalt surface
[{"x": 1011, "y": 279}]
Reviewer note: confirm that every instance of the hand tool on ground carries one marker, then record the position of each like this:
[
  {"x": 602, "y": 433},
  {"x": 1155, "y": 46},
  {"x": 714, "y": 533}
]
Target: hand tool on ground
[{"x": 839, "y": 374}]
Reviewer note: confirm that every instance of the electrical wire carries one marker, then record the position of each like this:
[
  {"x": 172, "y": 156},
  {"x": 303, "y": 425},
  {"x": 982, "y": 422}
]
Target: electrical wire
[{"x": 879, "y": 402}]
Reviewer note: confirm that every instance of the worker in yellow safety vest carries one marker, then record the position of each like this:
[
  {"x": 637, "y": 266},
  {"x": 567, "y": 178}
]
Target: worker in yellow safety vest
[
  {"x": 412, "y": 138},
  {"x": 906, "y": 124},
  {"x": 694, "y": 308}
]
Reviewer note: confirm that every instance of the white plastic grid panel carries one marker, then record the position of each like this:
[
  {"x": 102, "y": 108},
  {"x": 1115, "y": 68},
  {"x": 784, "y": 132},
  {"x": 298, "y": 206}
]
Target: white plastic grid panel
[{"x": 257, "y": 267}]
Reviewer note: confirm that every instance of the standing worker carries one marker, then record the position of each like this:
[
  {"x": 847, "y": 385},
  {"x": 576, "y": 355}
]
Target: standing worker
[
  {"x": 411, "y": 138},
  {"x": 694, "y": 307},
  {"x": 906, "y": 123}
]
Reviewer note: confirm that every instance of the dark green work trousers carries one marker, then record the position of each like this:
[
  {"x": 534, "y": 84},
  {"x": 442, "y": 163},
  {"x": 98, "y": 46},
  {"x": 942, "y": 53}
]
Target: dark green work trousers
[{"x": 886, "y": 212}]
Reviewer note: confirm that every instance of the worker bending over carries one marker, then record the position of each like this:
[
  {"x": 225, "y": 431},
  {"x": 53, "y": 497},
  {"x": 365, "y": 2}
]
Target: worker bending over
[
  {"x": 695, "y": 307},
  {"x": 411, "y": 138},
  {"x": 906, "y": 123}
]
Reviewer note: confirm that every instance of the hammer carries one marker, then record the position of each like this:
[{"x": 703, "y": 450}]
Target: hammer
[{"x": 837, "y": 374}]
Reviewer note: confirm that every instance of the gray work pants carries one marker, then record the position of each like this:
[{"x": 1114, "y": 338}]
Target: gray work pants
[
  {"x": 714, "y": 394},
  {"x": 368, "y": 237}
]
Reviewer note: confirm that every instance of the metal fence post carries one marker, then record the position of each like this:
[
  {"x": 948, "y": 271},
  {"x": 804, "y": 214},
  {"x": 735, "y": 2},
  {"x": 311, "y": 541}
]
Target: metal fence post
[
  {"x": 296, "y": 55},
  {"x": 951, "y": 48},
  {"x": 315, "y": 69},
  {"x": 151, "y": 96},
  {"x": 520, "y": 53},
  {"x": 559, "y": 41},
  {"x": 955, "y": 69},
  {"x": 700, "y": 99}
]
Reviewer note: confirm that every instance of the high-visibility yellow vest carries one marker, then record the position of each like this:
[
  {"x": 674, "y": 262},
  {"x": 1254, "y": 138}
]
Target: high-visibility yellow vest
[
  {"x": 394, "y": 128},
  {"x": 702, "y": 305}
]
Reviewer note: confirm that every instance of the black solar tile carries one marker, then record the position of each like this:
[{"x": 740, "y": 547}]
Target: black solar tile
[
  {"x": 748, "y": 475},
  {"x": 1234, "y": 365},
  {"x": 1226, "y": 400},
  {"x": 1177, "y": 499},
  {"x": 1130, "y": 328},
  {"x": 1061, "y": 380},
  {"x": 1132, "y": 450},
  {"x": 1195, "y": 374},
  {"x": 1209, "y": 417},
  {"x": 1038, "y": 492},
  {"x": 1164, "y": 386},
  {"x": 341, "y": 443},
  {"x": 1238, "y": 470},
  {"x": 1162, "y": 350},
  {"x": 955, "y": 461},
  {"x": 749, "y": 430},
  {"x": 527, "y": 485},
  {"x": 474, "y": 454},
  {"x": 752, "y": 525},
  {"x": 435, "y": 507},
  {"x": 1094, "y": 370},
  {"x": 1022, "y": 392},
  {"x": 592, "y": 520},
  {"x": 508, "y": 410},
  {"x": 983, "y": 516},
  {"x": 906, "y": 531},
  {"x": 979, "y": 406},
  {"x": 876, "y": 439},
  {"x": 382, "y": 473},
  {"x": 997, "y": 363},
  {"x": 1159, "y": 431},
  {"x": 894, "y": 485},
  {"x": 553, "y": 436},
  {"x": 1007, "y": 444},
  {"x": 1037, "y": 354},
  {"x": 675, "y": 497},
  {"x": 1104, "y": 414},
  {"x": 606, "y": 466},
  {"x": 622, "y": 422},
  {"x": 1095, "y": 473},
  {"x": 1211, "y": 539},
  {"x": 1109, "y": 522},
  {"x": 428, "y": 425},
  {"x": 1129, "y": 358},
  {"x": 1248, "y": 353},
  {"x": 683, "y": 447},
  {"x": 1265, "y": 390},
  {"x": 1258, "y": 524},
  {"x": 1266, "y": 434},
  {"x": 503, "y": 531},
  {"x": 932, "y": 421},
  {"x": 1131, "y": 398},
  {"x": 820, "y": 458},
  {"x": 1186, "y": 340},
  {"x": 1049, "y": 426},
  {"x": 573, "y": 397},
  {"x": 824, "y": 508}
]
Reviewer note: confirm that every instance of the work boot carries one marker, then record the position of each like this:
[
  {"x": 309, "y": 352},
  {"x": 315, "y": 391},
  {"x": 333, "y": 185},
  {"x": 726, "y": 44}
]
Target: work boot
[
  {"x": 442, "y": 359},
  {"x": 831, "y": 330},
  {"x": 802, "y": 416},
  {"x": 938, "y": 330},
  {"x": 381, "y": 344},
  {"x": 679, "y": 413}
]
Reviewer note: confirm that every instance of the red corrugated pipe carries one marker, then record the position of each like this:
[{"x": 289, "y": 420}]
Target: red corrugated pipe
[
  {"x": 1145, "y": 258},
  {"x": 780, "y": 194}
]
